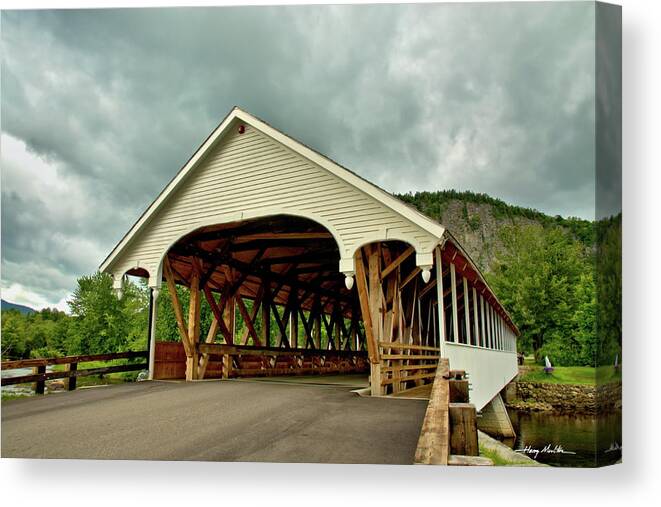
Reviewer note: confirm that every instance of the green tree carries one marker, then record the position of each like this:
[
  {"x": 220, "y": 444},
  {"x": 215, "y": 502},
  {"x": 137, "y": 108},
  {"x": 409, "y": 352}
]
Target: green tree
[
  {"x": 609, "y": 289},
  {"x": 537, "y": 278},
  {"x": 102, "y": 322},
  {"x": 13, "y": 334}
]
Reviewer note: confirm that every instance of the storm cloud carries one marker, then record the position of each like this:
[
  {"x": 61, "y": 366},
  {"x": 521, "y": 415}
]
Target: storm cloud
[{"x": 100, "y": 108}]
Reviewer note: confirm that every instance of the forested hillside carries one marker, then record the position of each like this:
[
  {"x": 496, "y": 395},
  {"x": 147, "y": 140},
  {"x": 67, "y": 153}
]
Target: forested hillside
[
  {"x": 558, "y": 277},
  {"x": 477, "y": 221}
]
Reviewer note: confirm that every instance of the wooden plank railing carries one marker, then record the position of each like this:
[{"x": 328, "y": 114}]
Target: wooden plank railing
[
  {"x": 449, "y": 430},
  {"x": 71, "y": 372},
  {"x": 434, "y": 442},
  {"x": 406, "y": 366},
  {"x": 248, "y": 360}
]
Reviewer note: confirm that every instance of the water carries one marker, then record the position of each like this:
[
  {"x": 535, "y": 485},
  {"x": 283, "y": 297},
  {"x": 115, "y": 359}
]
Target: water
[
  {"x": 568, "y": 440},
  {"x": 19, "y": 389}
]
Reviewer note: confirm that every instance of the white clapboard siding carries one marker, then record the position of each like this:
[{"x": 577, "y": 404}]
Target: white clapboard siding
[{"x": 251, "y": 175}]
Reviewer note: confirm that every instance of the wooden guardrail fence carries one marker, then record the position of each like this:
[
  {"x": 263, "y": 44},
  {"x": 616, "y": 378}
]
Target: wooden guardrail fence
[
  {"x": 405, "y": 366},
  {"x": 449, "y": 430},
  {"x": 71, "y": 372}
]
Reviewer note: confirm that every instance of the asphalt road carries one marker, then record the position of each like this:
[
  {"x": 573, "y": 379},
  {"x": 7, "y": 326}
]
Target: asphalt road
[{"x": 214, "y": 421}]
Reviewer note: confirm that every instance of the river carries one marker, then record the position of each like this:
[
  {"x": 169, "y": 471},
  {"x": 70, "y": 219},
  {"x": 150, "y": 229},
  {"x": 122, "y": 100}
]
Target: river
[
  {"x": 19, "y": 389},
  {"x": 568, "y": 440}
]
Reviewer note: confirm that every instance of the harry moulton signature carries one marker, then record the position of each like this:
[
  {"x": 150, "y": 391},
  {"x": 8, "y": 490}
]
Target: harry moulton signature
[{"x": 547, "y": 449}]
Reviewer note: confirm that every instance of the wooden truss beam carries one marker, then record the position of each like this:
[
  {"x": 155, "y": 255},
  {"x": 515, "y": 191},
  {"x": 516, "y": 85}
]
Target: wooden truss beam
[{"x": 394, "y": 264}]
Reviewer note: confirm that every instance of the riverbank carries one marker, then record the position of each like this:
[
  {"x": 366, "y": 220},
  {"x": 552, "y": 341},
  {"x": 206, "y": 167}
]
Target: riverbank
[
  {"x": 564, "y": 398},
  {"x": 566, "y": 389}
]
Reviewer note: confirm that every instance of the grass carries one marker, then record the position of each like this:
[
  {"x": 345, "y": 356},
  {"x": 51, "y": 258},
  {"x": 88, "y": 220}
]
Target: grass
[
  {"x": 500, "y": 460},
  {"x": 14, "y": 396},
  {"x": 494, "y": 456},
  {"x": 569, "y": 374}
]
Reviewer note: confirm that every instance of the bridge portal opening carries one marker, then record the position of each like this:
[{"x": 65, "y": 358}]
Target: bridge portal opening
[{"x": 280, "y": 305}]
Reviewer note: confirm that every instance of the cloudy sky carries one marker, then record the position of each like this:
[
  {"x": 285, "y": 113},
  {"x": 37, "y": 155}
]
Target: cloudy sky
[{"x": 101, "y": 108}]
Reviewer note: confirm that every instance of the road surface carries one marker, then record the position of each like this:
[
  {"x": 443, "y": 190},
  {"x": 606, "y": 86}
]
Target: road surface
[{"x": 234, "y": 420}]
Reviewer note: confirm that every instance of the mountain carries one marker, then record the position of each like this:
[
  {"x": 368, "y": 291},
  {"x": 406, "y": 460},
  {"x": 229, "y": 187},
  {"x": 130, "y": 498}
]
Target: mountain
[
  {"x": 6, "y": 305},
  {"x": 476, "y": 220}
]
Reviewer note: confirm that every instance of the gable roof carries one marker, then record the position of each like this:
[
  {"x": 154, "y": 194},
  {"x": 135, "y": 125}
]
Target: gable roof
[{"x": 404, "y": 210}]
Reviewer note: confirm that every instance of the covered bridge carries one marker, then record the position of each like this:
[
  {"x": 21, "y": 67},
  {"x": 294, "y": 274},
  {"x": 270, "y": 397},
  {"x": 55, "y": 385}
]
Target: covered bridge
[{"x": 325, "y": 271}]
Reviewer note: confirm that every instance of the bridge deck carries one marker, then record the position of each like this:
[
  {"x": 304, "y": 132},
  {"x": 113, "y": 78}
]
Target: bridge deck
[{"x": 235, "y": 420}]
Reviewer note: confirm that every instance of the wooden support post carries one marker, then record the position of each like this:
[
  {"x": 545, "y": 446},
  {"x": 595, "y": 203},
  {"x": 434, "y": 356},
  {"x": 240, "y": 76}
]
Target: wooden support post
[
  {"x": 502, "y": 333},
  {"x": 364, "y": 298},
  {"x": 317, "y": 323},
  {"x": 455, "y": 318},
  {"x": 227, "y": 365},
  {"x": 39, "y": 385},
  {"x": 375, "y": 299},
  {"x": 459, "y": 391},
  {"x": 355, "y": 338},
  {"x": 489, "y": 325},
  {"x": 192, "y": 359},
  {"x": 420, "y": 324},
  {"x": 478, "y": 338},
  {"x": 494, "y": 343},
  {"x": 293, "y": 321},
  {"x": 230, "y": 316},
  {"x": 482, "y": 323},
  {"x": 467, "y": 313},
  {"x": 211, "y": 336},
  {"x": 70, "y": 381},
  {"x": 463, "y": 434},
  {"x": 153, "y": 315},
  {"x": 266, "y": 314},
  {"x": 338, "y": 329},
  {"x": 176, "y": 305},
  {"x": 493, "y": 326},
  {"x": 374, "y": 262},
  {"x": 392, "y": 286},
  {"x": 485, "y": 316},
  {"x": 439, "y": 306}
]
